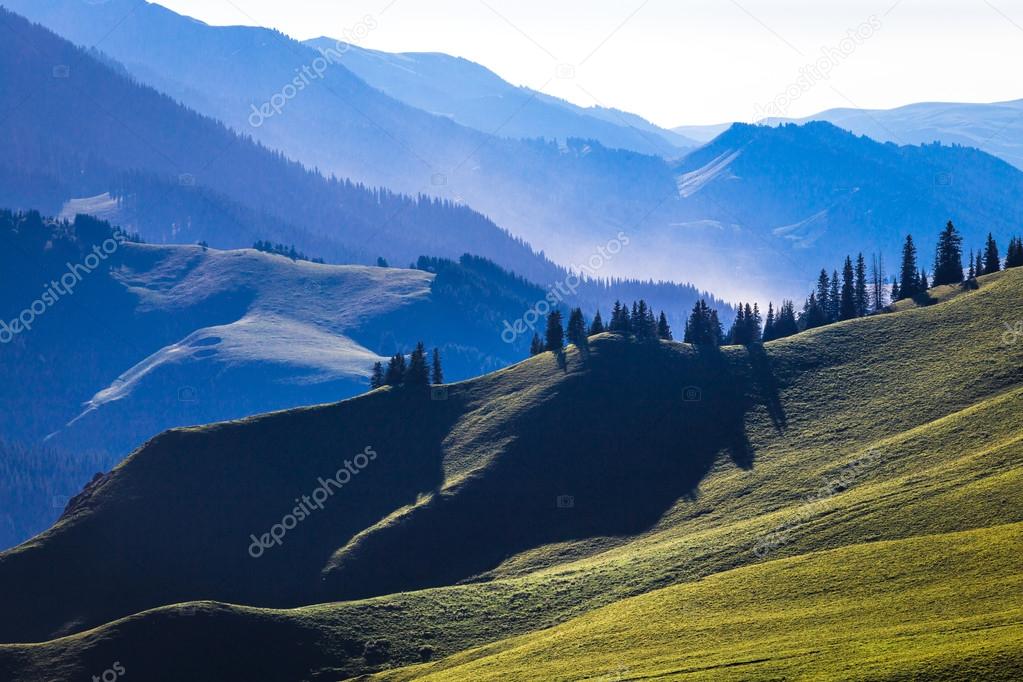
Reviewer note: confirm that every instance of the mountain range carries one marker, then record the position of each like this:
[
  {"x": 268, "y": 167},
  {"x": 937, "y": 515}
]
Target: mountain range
[{"x": 564, "y": 197}]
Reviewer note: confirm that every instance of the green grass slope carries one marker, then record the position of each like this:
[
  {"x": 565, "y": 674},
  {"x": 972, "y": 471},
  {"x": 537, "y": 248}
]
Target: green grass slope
[
  {"x": 938, "y": 607},
  {"x": 862, "y": 435}
]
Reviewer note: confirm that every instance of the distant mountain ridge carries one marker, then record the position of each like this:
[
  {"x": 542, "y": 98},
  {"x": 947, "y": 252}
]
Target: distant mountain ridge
[
  {"x": 478, "y": 98},
  {"x": 996, "y": 128}
]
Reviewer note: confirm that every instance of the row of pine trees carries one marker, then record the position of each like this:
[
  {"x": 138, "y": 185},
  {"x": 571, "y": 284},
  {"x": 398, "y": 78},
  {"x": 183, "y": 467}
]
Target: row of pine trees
[
  {"x": 639, "y": 322},
  {"x": 415, "y": 372}
]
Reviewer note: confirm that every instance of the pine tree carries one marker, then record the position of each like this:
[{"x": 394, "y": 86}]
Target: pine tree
[
  {"x": 834, "y": 299},
  {"x": 376, "y": 379},
  {"x": 438, "y": 371},
  {"x": 786, "y": 325},
  {"x": 737, "y": 334},
  {"x": 972, "y": 273},
  {"x": 1014, "y": 257},
  {"x": 847, "y": 305},
  {"x": 978, "y": 264},
  {"x": 948, "y": 258},
  {"x": 769, "y": 323},
  {"x": 598, "y": 325},
  {"x": 823, "y": 291},
  {"x": 813, "y": 315},
  {"x": 418, "y": 373},
  {"x": 395, "y": 374},
  {"x": 536, "y": 345},
  {"x": 663, "y": 330},
  {"x": 896, "y": 295},
  {"x": 923, "y": 285},
  {"x": 909, "y": 278},
  {"x": 703, "y": 327},
  {"x": 555, "y": 336},
  {"x": 992, "y": 260},
  {"x": 577, "y": 329},
  {"x": 755, "y": 322},
  {"x": 616, "y": 319},
  {"x": 861, "y": 297}
]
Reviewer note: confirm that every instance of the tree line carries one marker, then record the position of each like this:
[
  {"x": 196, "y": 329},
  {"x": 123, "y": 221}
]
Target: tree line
[
  {"x": 857, "y": 291},
  {"x": 415, "y": 372}
]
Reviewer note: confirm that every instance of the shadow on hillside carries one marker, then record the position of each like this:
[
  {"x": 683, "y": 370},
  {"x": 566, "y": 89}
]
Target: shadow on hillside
[
  {"x": 767, "y": 385},
  {"x": 622, "y": 440}
]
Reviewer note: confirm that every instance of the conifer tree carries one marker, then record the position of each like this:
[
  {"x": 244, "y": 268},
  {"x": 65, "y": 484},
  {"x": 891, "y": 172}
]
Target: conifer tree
[
  {"x": 395, "y": 374},
  {"x": 992, "y": 260},
  {"x": 978, "y": 264},
  {"x": 1014, "y": 257},
  {"x": 896, "y": 294},
  {"x": 923, "y": 285},
  {"x": 703, "y": 327},
  {"x": 847, "y": 304},
  {"x": 616, "y": 319},
  {"x": 438, "y": 371},
  {"x": 823, "y": 291},
  {"x": 755, "y": 321},
  {"x": 376, "y": 379},
  {"x": 834, "y": 299},
  {"x": 663, "y": 330},
  {"x": 555, "y": 336},
  {"x": 948, "y": 258},
  {"x": 861, "y": 298},
  {"x": 786, "y": 324},
  {"x": 536, "y": 346},
  {"x": 716, "y": 330},
  {"x": 737, "y": 334},
  {"x": 769, "y": 323},
  {"x": 813, "y": 315},
  {"x": 418, "y": 374},
  {"x": 577, "y": 329},
  {"x": 909, "y": 278},
  {"x": 598, "y": 325},
  {"x": 972, "y": 273}
]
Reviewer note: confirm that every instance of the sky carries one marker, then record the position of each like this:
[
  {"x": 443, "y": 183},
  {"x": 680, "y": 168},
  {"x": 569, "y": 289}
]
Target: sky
[{"x": 686, "y": 62}]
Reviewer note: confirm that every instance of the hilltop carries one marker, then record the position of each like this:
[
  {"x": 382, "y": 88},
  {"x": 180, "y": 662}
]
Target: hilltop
[{"x": 751, "y": 481}]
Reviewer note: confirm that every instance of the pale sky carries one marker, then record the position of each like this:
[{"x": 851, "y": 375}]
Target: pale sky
[{"x": 686, "y": 62}]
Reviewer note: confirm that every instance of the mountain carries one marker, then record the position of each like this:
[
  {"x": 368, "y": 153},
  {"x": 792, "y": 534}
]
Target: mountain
[
  {"x": 476, "y": 97},
  {"x": 996, "y": 128},
  {"x": 686, "y": 220},
  {"x": 813, "y": 193},
  {"x": 702, "y": 133},
  {"x": 169, "y": 336},
  {"x": 805, "y": 521},
  {"x": 177, "y": 168}
]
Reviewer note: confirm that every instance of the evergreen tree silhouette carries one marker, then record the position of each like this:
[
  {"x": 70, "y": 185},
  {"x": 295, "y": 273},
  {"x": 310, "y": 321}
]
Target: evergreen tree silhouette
[
  {"x": 862, "y": 298},
  {"x": 992, "y": 260},
  {"x": 577, "y": 329},
  {"x": 555, "y": 336},
  {"x": 418, "y": 374},
  {"x": 376, "y": 379},
  {"x": 834, "y": 299},
  {"x": 972, "y": 273},
  {"x": 597, "y": 327},
  {"x": 769, "y": 323},
  {"x": 948, "y": 259},
  {"x": 786, "y": 324},
  {"x": 847, "y": 304},
  {"x": 395, "y": 374},
  {"x": 923, "y": 285},
  {"x": 909, "y": 277},
  {"x": 663, "y": 330},
  {"x": 813, "y": 315},
  {"x": 1014, "y": 257}
]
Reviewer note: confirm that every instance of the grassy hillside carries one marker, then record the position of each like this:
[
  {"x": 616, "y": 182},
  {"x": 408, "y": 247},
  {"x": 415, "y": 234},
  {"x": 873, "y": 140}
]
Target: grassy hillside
[{"x": 857, "y": 467}]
